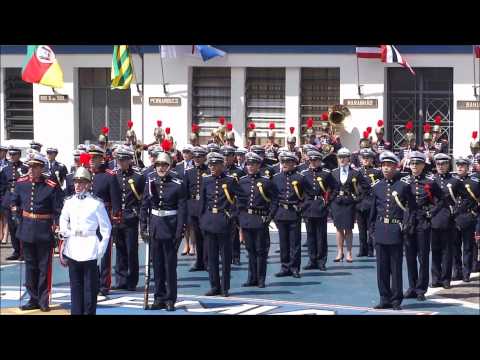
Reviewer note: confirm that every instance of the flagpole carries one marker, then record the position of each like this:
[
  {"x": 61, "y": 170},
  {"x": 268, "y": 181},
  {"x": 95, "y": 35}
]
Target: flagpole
[
  {"x": 163, "y": 78},
  {"x": 358, "y": 78},
  {"x": 474, "y": 74}
]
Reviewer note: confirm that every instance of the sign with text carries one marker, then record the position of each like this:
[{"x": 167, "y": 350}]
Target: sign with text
[
  {"x": 468, "y": 105},
  {"x": 361, "y": 103},
  {"x": 54, "y": 98},
  {"x": 165, "y": 101}
]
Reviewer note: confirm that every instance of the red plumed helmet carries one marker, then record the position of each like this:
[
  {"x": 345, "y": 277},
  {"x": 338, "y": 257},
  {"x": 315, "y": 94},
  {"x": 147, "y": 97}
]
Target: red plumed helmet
[
  {"x": 474, "y": 135},
  {"x": 292, "y": 129},
  {"x": 427, "y": 128},
  {"x": 438, "y": 120},
  {"x": 229, "y": 127},
  {"x": 195, "y": 128},
  {"x": 271, "y": 126},
  {"x": 365, "y": 134},
  {"x": 380, "y": 123},
  {"x": 369, "y": 130},
  {"x": 129, "y": 124},
  {"x": 105, "y": 130},
  {"x": 409, "y": 125},
  {"x": 325, "y": 116},
  {"x": 85, "y": 159},
  {"x": 251, "y": 126},
  {"x": 167, "y": 131},
  {"x": 221, "y": 120},
  {"x": 309, "y": 122},
  {"x": 159, "y": 123},
  {"x": 166, "y": 145}
]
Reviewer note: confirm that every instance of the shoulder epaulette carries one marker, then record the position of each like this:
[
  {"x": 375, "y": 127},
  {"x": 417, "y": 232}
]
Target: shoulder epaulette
[
  {"x": 406, "y": 179},
  {"x": 375, "y": 183},
  {"x": 430, "y": 177},
  {"x": 23, "y": 179},
  {"x": 475, "y": 178},
  {"x": 50, "y": 183},
  {"x": 277, "y": 174},
  {"x": 265, "y": 177},
  {"x": 206, "y": 175},
  {"x": 110, "y": 172},
  {"x": 326, "y": 170},
  {"x": 231, "y": 176},
  {"x": 177, "y": 181},
  {"x": 301, "y": 172},
  {"x": 243, "y": 177}
]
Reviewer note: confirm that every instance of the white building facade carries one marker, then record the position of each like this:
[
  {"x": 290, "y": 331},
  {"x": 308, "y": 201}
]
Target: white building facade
[{"x": 283, "y": 84}]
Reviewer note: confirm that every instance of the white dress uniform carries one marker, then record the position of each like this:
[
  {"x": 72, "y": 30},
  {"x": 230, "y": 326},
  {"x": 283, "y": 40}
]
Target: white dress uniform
[{"x": 81, "y": 216}]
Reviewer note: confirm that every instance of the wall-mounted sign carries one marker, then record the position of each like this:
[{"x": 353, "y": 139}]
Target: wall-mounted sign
[
  {"x": 165, "y": 101},
  {"x": 468, "y": 105},
  {"x": 54, "y": 98},
  {"x": 361, "y": 103},
  {"x": 137, "y": 100}
]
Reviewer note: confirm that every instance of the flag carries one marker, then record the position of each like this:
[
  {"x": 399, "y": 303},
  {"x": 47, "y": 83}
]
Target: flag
[
  {"x": 175, "y": 51},
  {"x": 391, "y": 55},
  {"x": 208, "y": 52},
  {"x": 368, "y": 52},
  {"x": 476, "y": 50},
  {"x": 41, "y": 67},
  {"x": 122, "y": 67}
]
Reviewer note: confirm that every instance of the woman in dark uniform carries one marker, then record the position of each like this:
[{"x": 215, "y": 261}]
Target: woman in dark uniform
[{"x": 344, "y": 197}]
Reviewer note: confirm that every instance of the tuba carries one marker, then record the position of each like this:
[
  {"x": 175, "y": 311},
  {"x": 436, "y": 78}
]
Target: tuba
[{"x": 337, "y": 114}]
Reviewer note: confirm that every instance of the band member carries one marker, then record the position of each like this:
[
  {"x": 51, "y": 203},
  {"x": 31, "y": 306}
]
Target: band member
[
  {"x": 439, "y": 142},
  {"x": 193, "y": 182},
  {"x": 409, "y": 146},
  {"x": 428, "y": 202},
  {"x": 291, "y": 144},
  {"x": 391, "y": 200},
  {"x": 380, "y": 144},
  {"x": 153, "y": 152},
  {"x": 213, "y": 147},
  {"x": 187, "y": 162},
  {"x": 240, "y": 157},
  {"x": 305, "y": 159},
  {"x": 136, "y": 145},
  {"x": 271, "y": 145},
  {"x": 218, "y": 194},
  {"x": 125, "y": 233},
  {"x": 251, "y": 135},
  {"x": 292, "y": 189},
  {"x": 443, "y": 225},
  {"x": 365, "y": 143},
  {"x": 427, "y": 148},
  {"x": 475, "y": 149},
  {"x": 466, "y": 217},
  {"x": 164, "y": 205},
  {"x": 265, "y": 169},
  {"x": 310, "y": 132},
  {"x": 194, "y": 137},
  {"x": 83, "y": 217},
  {"x": 103, "y": 143},
  {"x": 371, "y": 176},
  {"x": 315, "y": 210},
  {"x": 57, "y": 169},
  {"x": 255, "y": 217},
  {"x": 230, "y": 136},
  {"x": 8, "y": 177},
  {"x": 345, "y": 194},
  {"x": 38, "y": 201}
]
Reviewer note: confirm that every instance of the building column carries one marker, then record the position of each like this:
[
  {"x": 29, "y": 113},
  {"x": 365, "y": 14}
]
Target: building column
[
  {"x": 237, "y": 104},
  {"x": 292, "y": 101}
]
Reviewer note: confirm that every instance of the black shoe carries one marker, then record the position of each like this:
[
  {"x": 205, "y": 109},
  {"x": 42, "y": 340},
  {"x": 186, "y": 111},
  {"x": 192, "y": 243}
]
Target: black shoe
[
  {"x": 236, "y": 262},
  {"x": 410, "y": 294},
  {"x": 396, "y": 307},
  {"x": 261, "y": 285},
  {"x": 170, "y": 306},
  {"x": 44, "y": 308},
  {"x": 225, "y": 293},
  {"x": 249, "y": 283},
  {"x": 466, "y": 279},
  {"x": 447, "y": 286},
  {"x": 322, "y": 267},
  {"x": 421, "y": 297},
  {"x": 436, "y": 285},
  {"x": 29, "y": 306},
  {"x": 103, "y": 292},
  {"x": 310, "y": 267},
  {"x": 296, "y": 275},
  {"x": 13, "y": 257},
  {"x": 213, "y": 292},
  {"x": 196, "y": 268},
  {"x": 158, "y": 305},
  {"x": 283, "y": 274},
  {"x": 382, "y": 306}
]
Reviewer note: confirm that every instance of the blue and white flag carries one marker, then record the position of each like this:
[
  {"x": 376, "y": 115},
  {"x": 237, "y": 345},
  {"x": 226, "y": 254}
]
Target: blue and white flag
[
  {"x": 208, "y": 52},
  {"x": 205, "y": 52}
]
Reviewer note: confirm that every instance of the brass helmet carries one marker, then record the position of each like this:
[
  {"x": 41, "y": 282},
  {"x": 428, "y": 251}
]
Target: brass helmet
[
  {"x": 251, "y": 133},
  {"x": 365, "y": 141},
  {"x": 291, "y": 139},
  {"x": 230, "y": 134},
  {"x": 475, "y": 144},
  {"x": 158, "y": 133},
  {"x": 427, "y": 134},
  {"x": 131, "y": 133},
  {"x": 271, "y": 132},
  {"x": 82, "y": 171},
  {"x": 164, "y": 157},
  {"x": 324, "y": 124},
  {"x": 194, "y": 134},
  {"x": 103, "y": 137},
  {"x": 410, "y": 135},
  {"x": 310, "y": 129},
  {"x": 438, "y": 121},
  {"x": 380, "y": 127}
]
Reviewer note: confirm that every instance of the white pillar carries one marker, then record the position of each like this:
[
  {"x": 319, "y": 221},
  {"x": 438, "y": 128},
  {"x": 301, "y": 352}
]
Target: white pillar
[
  {"x": 292, "y": 101},
  {"x": 237, "y": 105}
]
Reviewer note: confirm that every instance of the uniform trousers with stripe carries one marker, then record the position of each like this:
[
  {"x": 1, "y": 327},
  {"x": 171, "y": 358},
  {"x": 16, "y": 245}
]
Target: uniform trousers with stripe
[{"x": 38, "y": 273}]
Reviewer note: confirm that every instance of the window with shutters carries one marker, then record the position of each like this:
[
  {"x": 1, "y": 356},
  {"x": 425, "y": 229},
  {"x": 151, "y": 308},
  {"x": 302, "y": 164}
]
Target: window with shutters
[
  {"x": 211, "y": 93},
  {"x": 18, "y": 96},
  {"x": 320, "y": 88},
  {"x": 101, "y": 106},
  {"x": 265, "y": 101}
]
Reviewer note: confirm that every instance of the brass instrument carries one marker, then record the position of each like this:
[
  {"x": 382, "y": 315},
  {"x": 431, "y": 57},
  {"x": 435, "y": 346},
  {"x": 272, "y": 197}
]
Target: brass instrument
[{"x": 336, "y": 116}]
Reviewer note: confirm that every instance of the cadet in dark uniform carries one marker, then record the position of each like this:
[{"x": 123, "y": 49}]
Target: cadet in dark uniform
[
  {"x": 8, "y": 177},
  {"x": 152, "y": 155},
  {"x": 38, "y": 201},
  {"x": 105, "y": 186},
  {"x": 164, "y": 204},
  {"x": 235, "y": 171},
  {"x": 57, "y": 169},
  {"x": 428, "y": 201},
  {"x": 466, "y": 217},
  {"x": 315, "y": 210},
  {"x": 443, "y": 225},
  {"x": 187, "y": 162},
  {"x": 391, "y": 199},
  {"x": 218, "y": 195},
  {"x": 240, "y": 157},
  {"x": 255, "y": 217},
  {"x": 345, "y": 194},
  {"x": 193, "y": 182},
  {"x": 132, "y": 184},
  {"x": 265, "y": 169},
  {"x": 371, "y": 175},
  {"x": 292, "y": 189},
  {"x": 365, "y": 143}
]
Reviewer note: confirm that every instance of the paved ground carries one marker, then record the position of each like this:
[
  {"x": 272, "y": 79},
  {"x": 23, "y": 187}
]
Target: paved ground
[{"x": 343, "y": 289}]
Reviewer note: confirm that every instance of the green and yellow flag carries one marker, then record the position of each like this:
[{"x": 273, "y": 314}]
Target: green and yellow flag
[{"x": 122, "y": 67}]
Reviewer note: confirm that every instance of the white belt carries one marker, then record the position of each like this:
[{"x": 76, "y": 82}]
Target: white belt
[
  {"x": 83, "y": 233},
  {"x": 164, "y": 212}
]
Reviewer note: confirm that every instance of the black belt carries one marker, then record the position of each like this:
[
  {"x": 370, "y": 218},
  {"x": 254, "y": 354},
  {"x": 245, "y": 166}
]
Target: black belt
[
  {"x": 289, "y": 206},
  {"x": 257, "y": 212},
  {"x": 164, "y": 209},
  {"x": 388, "y": 220},
  {"x": 216, "y": 210}
]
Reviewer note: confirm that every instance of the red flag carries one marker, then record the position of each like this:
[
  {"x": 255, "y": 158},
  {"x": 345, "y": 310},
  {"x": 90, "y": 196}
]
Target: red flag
[{"x": 476, "y": 50}]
